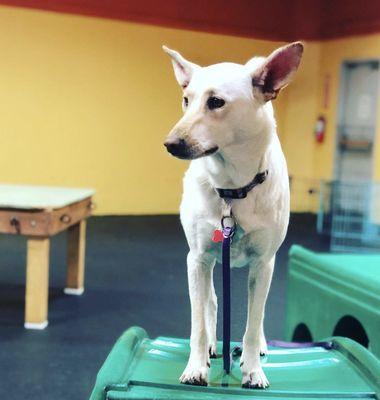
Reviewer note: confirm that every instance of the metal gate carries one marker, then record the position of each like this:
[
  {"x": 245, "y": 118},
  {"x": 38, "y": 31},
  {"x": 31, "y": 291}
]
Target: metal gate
[{"x": 350, "y": 213}]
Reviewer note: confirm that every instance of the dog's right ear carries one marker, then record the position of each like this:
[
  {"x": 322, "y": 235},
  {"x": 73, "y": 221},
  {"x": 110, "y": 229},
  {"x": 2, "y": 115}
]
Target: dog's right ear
[{"x": 183, "y": 69}]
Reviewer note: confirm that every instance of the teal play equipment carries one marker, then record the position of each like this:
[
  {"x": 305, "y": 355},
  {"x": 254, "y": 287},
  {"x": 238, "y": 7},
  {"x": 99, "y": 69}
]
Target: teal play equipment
[
  {"x": 142, "y": 368},
  {"x": 333, "y": 294}
]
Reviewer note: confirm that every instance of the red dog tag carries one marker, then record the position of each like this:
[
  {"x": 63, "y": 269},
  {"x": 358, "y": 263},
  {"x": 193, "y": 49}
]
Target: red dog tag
[{"x": 218, "y": 236}]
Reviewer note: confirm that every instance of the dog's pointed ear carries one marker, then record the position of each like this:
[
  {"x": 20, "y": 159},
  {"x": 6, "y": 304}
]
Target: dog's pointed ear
[
  {"x": 183, "y": 69},
  {"x": 277, "y": 70}
]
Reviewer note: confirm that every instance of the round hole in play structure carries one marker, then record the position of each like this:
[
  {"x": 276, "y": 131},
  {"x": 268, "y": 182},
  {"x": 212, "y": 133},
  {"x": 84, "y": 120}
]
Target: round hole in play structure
[
  {"x": 350, "y": 327},
  {"x": 302, "y": 334}
]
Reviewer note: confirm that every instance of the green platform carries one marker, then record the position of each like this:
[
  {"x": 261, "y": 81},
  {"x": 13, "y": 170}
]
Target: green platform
[
  {"x": 143, "y": 368},
  {"x": 324, "y": 289}
]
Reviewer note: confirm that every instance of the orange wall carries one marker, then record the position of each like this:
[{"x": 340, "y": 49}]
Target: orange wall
[{"x": 88, "y": 102}]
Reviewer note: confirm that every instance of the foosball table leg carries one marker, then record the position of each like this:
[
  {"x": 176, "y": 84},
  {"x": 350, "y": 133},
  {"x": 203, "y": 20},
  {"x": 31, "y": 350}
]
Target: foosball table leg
[
  {"x": 37, "y": 283},
  {"x": 76, "y": 247}
]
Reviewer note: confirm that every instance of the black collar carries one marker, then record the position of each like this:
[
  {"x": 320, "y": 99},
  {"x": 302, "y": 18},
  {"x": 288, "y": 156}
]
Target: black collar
[{"x": 242, "y": 192}]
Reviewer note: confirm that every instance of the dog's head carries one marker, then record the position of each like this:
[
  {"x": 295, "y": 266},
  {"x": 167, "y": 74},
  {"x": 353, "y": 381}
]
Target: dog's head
[{"x": 226, "y": 103}]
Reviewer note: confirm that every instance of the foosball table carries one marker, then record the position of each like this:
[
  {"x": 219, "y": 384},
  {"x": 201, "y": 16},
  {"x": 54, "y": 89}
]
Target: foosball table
[{"x": 38, "y": 213}]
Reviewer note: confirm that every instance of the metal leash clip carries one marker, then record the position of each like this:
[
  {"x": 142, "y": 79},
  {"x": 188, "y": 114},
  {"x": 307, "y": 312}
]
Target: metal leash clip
[{"x": 228, "y": 224}]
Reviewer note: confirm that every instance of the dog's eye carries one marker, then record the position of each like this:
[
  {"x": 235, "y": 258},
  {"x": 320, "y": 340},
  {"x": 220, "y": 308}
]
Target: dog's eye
[
  {"x": 215, "y": 102},
  {"x": 185, "y": 101}
]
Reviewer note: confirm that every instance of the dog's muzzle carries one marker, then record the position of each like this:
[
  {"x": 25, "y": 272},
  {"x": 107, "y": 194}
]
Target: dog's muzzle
[{"x": 180, "y": 149}]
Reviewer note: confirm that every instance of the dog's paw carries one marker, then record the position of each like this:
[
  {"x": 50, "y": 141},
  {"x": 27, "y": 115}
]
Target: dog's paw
[
  {"x": 194, "y": 375},
  {"x": 212, "y": 351},
  {"x": 255, "y": 379}
]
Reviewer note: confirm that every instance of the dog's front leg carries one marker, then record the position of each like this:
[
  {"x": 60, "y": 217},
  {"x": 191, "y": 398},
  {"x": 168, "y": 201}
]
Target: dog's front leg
[
  {"x": 211, "y": 317},
  {"x": 199, "y": 270},
  {"x": 263, "y": 341},
  {"x": 260, "y": 276}
]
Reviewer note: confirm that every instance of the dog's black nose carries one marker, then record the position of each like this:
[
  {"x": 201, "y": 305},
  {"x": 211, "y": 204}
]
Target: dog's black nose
[{"x": 177, "y": 147}]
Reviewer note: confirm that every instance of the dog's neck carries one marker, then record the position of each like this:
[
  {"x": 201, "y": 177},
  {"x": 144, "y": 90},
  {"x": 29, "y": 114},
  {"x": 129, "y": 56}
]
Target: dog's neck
[{"x": 236, "y": 165}]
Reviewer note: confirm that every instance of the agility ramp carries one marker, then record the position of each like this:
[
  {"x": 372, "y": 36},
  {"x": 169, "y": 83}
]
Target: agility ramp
[{"x": 142, "y": 368}]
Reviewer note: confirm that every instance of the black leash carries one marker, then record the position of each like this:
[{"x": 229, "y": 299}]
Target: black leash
[
  {"x": 228, "y": 232},
  {"x": 228, "y": 225}
]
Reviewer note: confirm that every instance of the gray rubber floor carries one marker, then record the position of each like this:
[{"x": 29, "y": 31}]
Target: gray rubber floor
[{"x": 136, "y": 275}]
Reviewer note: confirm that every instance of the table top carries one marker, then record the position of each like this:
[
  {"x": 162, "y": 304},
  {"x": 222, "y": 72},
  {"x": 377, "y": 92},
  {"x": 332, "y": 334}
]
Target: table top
[{"x": 28, "y": 197}]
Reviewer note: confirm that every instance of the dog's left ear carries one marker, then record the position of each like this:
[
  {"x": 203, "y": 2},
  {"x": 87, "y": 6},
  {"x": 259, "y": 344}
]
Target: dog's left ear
[
  {"x": 183, "y": 69},
  {"x": 277, "y": 70}
]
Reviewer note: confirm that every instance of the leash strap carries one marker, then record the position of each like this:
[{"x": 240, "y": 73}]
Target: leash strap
[
  {"x": 228, "y": 231},
  {"x": 300, "y": 345}
]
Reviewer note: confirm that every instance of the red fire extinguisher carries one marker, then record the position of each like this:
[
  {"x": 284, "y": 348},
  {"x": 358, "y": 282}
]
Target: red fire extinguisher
[{"x": 320, "y": 129}]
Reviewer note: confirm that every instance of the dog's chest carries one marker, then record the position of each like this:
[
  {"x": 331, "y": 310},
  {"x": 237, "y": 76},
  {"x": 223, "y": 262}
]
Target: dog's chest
[
  {"x": 262, "y": 218},
  {"x": 260, "y": 231},
  {"x": 242, "y": 249}
]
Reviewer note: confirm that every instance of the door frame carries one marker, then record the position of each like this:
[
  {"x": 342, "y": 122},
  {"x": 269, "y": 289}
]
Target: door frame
[{"x": 340, "y": 108}]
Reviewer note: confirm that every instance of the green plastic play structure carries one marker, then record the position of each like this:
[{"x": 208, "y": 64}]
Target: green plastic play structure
[
  {"x": 323, "y": 290},
  {"x": 333, "y": 294},
  {"x": 143, "y": 368}
]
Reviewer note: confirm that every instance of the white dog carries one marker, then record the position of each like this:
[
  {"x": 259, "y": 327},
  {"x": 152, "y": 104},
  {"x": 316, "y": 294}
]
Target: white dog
[{"x": 229, "y": 130}]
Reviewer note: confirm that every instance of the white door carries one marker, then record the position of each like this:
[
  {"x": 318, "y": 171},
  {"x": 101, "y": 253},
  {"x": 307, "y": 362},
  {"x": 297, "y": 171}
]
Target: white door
[{"x": 357, "y": 121}]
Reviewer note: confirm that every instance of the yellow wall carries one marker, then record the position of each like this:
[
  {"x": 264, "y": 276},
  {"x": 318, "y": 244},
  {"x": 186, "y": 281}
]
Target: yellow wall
[
  {"x": 308, "y": 160},
  {"x": 88, "y": 102},
  {"x": 300, "y": 111}
]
